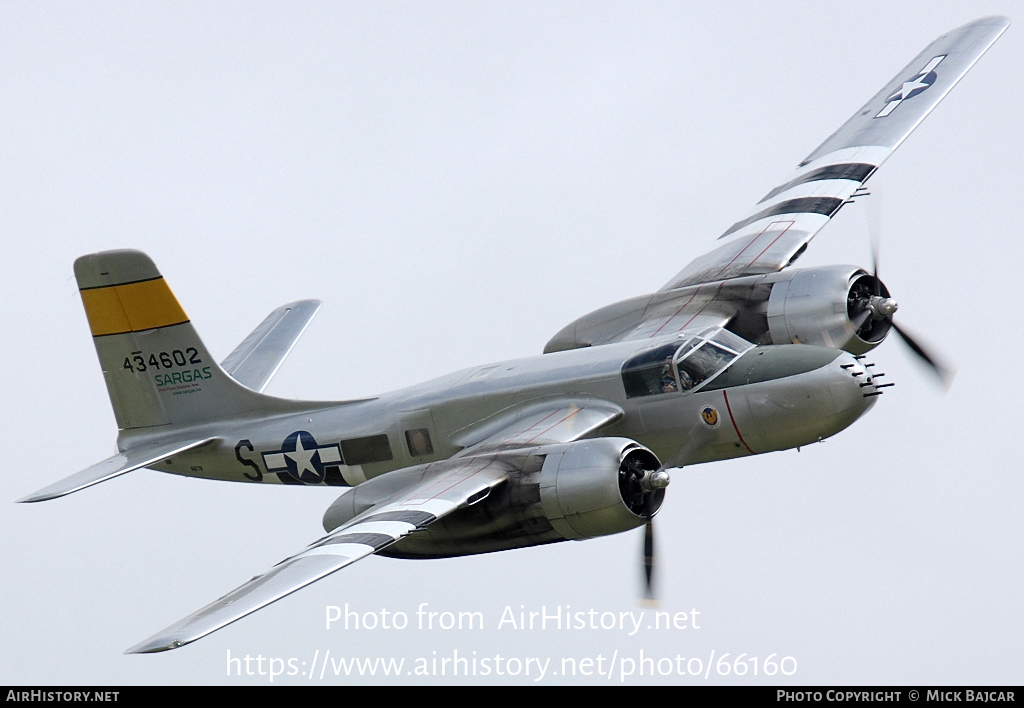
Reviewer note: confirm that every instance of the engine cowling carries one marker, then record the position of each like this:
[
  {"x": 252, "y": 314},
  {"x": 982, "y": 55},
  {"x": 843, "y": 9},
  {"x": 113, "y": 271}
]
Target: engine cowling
[
  {"x": 599, "y": 487},
  {"x": 843, "y": 307}
]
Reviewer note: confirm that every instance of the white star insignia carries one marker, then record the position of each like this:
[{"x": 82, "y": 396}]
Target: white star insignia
[{"x": 303, "y": 458}]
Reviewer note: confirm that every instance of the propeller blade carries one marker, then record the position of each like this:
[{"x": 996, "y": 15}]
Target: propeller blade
[
  {"x": 649, "y": 559},
  {"x": 648, "y": 598},
  {"x": 874, "y": 219},
  {"x": 655, "y": 483},
  {"x": 945, "y": 374}
]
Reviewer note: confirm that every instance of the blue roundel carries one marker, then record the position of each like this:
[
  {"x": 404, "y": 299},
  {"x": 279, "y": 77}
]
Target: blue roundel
[{"x": 303, "y": 458}]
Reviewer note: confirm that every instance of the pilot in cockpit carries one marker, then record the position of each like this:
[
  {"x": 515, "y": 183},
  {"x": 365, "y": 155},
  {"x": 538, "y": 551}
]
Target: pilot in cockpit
[
  {"x": 668, "y": 381},
  {"x": 685, "y": 380}
]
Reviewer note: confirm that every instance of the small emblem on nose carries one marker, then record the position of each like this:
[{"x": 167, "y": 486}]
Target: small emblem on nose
[{"x": 709, "y": 414}]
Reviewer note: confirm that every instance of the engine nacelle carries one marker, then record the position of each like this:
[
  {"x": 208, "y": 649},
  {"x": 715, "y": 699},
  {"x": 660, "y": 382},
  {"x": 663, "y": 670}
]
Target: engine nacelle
[
  {"x": 553, "y": 493},
  {"x": 596, "y": 487},
  {"x": 842, "y": 307}
]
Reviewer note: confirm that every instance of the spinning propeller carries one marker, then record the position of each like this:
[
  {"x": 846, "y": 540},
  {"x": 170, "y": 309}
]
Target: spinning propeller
[
  {"x": 642, "y": 482},
  {"x": 871, "y": 309}
]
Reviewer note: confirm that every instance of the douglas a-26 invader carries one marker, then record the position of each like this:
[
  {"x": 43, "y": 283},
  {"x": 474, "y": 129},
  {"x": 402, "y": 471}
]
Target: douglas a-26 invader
[{"x": 737, "y": 355}]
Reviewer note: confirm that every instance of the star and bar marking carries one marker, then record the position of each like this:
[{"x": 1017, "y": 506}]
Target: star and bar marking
[
  {"x": 920, "y": 82},
  {"x": 302, "y": 458}
]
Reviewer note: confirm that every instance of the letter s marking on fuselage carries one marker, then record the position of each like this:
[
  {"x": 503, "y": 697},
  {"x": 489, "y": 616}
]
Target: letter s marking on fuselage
[{"x": 248, "y": 463}]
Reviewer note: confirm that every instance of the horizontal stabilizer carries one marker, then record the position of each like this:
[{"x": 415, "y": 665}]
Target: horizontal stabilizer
[
  {"x": 133, "y": 459},
  {"x": 255, "y": 361}
]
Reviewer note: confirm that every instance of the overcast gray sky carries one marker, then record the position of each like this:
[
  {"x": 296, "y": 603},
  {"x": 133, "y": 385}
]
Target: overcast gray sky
[{"x": 457, "y": 181}]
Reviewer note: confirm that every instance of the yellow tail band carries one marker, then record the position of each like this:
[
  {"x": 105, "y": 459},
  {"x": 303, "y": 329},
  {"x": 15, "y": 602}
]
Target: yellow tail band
[{"x": 131, "y": 307}]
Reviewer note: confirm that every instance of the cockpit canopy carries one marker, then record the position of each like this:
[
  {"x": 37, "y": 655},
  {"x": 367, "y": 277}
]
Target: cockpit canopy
[{"x": 683, "y": 364}]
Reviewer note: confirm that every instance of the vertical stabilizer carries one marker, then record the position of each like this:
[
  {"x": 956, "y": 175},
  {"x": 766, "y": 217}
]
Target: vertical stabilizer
[{"x": 157, "y": 370}]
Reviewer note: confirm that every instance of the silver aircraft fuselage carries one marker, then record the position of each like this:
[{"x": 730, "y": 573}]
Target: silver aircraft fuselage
[{"x": 769, "y": 398}]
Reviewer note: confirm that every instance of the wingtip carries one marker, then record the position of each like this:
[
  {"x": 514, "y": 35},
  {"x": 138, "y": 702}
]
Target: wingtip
[
  {"x": 155, "y": 645},
  {"x": 36, "y": 497},
  {"x": 312, "y": 303},
  {"x": 993, "y": 20},
  {"x": 997, "y": 20},
  {"x": 55, "y": 491}
]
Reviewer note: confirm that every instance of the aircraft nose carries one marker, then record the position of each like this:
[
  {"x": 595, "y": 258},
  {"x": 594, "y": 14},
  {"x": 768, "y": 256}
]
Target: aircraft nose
[
  {"x": 785, "y": 396},
  {"x": 854, "y": 386}
]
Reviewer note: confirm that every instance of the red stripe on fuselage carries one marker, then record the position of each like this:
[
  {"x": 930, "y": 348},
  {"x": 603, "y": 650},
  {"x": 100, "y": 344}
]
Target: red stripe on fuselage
[{"x": 725, "y": 394}]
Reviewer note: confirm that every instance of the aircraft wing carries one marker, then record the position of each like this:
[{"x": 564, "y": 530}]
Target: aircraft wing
[
  {"x": 444, "y": 488},
  {"x": 777, "y": 229},
  {"x": 255, "y": 361},
  {"x": 122, "y": 462},
  {"x": 539, "y": 423}
]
